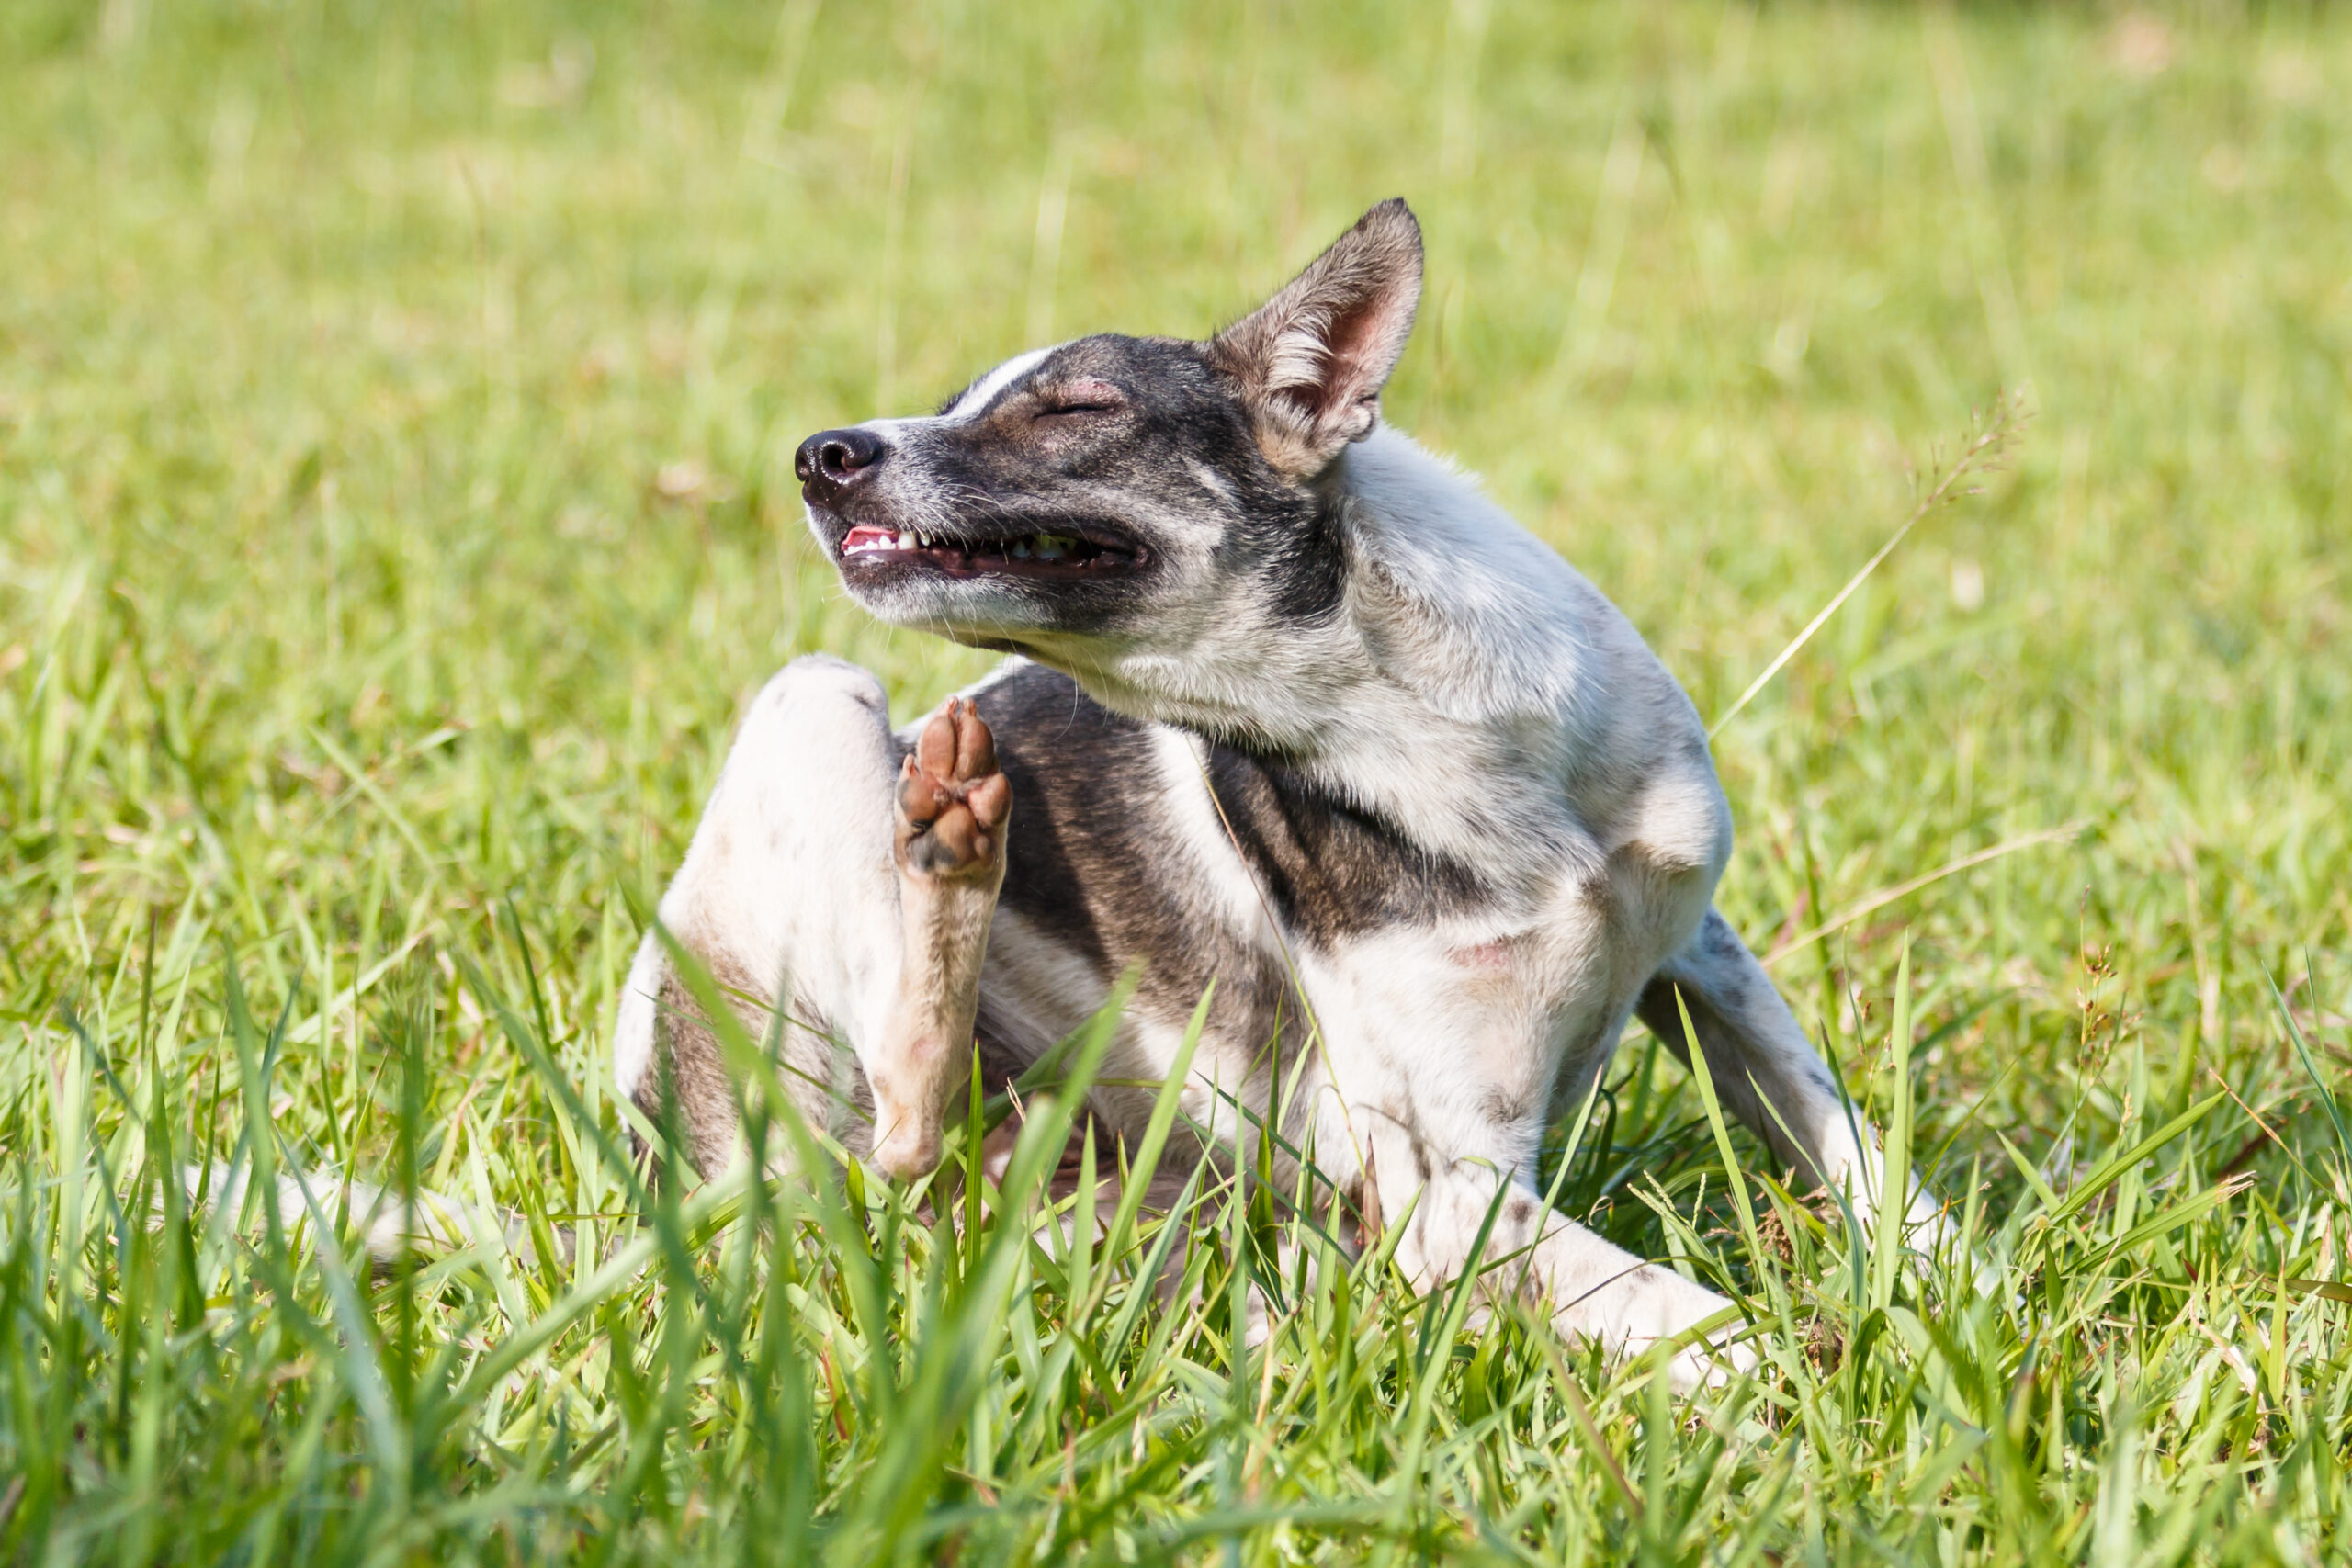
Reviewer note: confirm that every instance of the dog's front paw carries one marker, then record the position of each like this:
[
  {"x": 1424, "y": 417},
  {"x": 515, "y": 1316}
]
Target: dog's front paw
[
  {"x": 1711, "y": 1362},
  {"x": 952, "y": 800},
  {"x": 1661, "y": 1307}
]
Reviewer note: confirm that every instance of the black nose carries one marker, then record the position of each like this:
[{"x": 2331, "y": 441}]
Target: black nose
[{"x": 831, "y": 461}]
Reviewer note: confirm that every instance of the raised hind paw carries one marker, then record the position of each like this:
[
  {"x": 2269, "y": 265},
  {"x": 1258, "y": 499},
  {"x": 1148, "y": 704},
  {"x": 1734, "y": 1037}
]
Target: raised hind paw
[
  {"x": 952, "y": 801},
  {"x": 951, "y": 805}
]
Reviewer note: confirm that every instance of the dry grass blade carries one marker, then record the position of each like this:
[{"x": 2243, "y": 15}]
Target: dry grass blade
[{"x": 1981, "y": 452}]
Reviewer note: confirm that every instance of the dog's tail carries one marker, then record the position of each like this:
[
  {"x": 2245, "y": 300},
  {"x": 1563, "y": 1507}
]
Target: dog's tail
[{"x": 388, "y": 1227}]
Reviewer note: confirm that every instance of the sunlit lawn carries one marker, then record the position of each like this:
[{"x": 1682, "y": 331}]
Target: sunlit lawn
[{"x": 396, "y": 415}]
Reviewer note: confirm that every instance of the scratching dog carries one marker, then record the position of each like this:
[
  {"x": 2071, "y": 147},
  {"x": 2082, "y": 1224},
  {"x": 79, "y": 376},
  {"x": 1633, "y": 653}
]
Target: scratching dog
[{"x": 1289, "y": 706}]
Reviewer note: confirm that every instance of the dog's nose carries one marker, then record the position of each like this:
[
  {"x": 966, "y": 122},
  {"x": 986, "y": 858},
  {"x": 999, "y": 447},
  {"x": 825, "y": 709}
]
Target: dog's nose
[{"x": 831, "y": 461}]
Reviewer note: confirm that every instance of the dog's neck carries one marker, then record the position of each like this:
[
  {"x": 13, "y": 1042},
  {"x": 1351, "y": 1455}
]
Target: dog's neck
[{"x": 1451, "y": 688}]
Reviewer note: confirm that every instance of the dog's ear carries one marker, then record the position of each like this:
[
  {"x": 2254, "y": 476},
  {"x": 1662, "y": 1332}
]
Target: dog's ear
[{"x": 1310, "y": 362}]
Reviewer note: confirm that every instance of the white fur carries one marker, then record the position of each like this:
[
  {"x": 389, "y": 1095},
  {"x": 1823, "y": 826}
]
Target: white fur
[
  {"x": 380, "y": 1218},
  {"x": 633, "y": 1025},
  {"x": 975, "y": 399}
]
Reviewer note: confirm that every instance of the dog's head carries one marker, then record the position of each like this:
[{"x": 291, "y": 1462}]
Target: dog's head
[{"x": 1128, "y": 494}]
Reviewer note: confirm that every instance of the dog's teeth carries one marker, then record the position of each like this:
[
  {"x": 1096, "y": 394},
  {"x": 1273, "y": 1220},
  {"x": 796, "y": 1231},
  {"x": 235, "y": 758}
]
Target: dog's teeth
[
  {"x": 1020, "y": 549},
  {"x": 1051, "y": 546},
  {"x": 903, "y": 540}
]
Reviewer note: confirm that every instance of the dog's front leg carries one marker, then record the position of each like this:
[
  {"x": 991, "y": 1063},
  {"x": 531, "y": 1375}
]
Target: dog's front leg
[{"x": 1766, "y": 1072}]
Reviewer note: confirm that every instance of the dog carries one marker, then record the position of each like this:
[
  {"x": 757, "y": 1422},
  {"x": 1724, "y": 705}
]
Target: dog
[{"x": 1290, "y": 707}]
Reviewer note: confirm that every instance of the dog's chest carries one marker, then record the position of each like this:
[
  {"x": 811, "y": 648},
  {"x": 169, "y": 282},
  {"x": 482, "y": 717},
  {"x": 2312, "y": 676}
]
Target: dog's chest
[
  {"x": 1424, "y": 975},
  {"x": 1419, "y": 1015}
]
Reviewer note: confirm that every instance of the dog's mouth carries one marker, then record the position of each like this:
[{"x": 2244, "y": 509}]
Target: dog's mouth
[{"x": 1069, "y": 549}]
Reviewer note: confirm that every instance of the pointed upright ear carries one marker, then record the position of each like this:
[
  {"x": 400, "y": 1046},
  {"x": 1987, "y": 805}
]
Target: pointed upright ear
[{"x": 1311, "y": 361}]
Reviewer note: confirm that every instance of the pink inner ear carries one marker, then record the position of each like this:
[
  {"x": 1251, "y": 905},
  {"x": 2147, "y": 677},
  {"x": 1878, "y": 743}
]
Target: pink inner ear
[
  {"x": 1315, "y": 355},
  {"x": 1349, "y": 343}
]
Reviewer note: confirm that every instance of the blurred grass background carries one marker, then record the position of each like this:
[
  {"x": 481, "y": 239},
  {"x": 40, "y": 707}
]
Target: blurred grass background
[{"x": 397, "y": 406}]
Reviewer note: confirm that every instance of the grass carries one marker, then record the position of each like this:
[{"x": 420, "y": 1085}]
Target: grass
[{"x": 396, "y": 406}]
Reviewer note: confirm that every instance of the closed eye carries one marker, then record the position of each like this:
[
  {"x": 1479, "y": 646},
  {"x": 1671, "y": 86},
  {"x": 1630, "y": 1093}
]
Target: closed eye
[{"x": 1081, "y": 398}]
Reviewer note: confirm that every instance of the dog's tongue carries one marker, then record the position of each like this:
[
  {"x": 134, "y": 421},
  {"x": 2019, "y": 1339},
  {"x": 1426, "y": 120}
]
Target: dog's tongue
[{"x": 866, "y": 536}]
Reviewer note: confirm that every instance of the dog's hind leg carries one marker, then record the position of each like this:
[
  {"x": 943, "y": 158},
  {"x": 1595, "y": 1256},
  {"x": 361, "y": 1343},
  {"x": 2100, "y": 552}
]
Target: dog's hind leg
[
  {"x": 948, "y": 839},
  {"x": 1765, "y": 1070},
  {"x": 838, "y": 889}
]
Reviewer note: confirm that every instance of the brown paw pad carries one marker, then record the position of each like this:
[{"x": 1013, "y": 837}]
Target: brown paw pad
[{"x": 952, "y": 800}]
